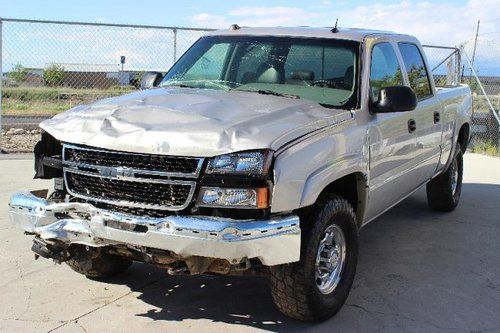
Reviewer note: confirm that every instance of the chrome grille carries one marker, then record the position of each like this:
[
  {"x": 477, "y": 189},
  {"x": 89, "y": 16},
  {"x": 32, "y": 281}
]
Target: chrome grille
[
  {"x": 173, "y": 166},
  {"x": 132, "y": 181}
]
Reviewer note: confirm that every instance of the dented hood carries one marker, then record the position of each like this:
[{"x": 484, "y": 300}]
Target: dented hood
[{"x": 191, "y": 122}]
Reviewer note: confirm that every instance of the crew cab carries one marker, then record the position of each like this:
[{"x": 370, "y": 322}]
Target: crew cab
[{"x": 262, "y": 150}]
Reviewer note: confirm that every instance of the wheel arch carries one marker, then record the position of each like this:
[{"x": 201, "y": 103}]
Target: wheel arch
[
  {"x": 351, "y": 186},
  {"x": 463, "y": 136}
]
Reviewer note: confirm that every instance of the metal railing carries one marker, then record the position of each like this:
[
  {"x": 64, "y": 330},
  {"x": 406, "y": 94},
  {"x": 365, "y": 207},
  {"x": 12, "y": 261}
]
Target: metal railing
[{"x": 445, "y": 63}]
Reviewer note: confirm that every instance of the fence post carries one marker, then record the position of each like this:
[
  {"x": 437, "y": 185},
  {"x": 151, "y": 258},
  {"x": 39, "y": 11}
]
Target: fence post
[
  {"x": 1, "y": 83},
  {"x": 175, "y": 44},
  {"x": 450, "y": 72},
  {"x": 458, "y": 66}
]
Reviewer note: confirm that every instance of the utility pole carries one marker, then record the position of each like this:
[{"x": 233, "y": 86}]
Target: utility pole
[{"x": 475, "y": 44}]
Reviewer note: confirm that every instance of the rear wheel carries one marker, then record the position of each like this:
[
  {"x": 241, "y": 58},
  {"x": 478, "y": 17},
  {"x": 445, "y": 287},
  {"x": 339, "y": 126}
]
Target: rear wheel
[
  {"x": 443, "y": 192},
  {"x": 97, "y": 263},
  {"x": 317, "y": 286}
]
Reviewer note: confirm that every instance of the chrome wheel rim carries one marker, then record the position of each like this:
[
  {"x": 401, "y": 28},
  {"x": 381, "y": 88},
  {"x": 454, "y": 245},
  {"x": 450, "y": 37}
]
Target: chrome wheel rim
[
  {"x": 330, "y": 259},
  {"x": 454, "y": 176}
]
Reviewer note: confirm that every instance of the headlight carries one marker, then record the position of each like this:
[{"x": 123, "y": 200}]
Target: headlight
[
  {"x": 253, "y": 162},
  {"x": 256, "y": 198}
]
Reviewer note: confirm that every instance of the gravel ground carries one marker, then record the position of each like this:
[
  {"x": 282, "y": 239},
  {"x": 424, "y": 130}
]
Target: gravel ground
[
  {"x": 418, "y": 271},
  {"x": 19, "y": 140}
]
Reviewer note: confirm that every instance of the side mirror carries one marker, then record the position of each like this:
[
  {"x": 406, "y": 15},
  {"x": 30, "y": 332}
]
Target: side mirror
[
  {"x": 151, "y": 79},
  {"x": 395, "y": 99}
]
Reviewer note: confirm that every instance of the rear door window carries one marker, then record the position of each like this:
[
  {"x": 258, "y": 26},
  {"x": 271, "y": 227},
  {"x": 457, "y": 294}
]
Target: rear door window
[{"x": 416, "y": 70}]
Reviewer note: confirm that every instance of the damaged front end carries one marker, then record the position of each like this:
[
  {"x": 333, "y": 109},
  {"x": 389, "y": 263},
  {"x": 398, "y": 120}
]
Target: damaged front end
[
  {"x": 144, "y": 208},
  {"x": 227, "y": 243}
]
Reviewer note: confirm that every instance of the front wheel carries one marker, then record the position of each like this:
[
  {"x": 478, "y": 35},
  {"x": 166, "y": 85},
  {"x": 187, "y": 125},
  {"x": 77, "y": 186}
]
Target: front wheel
[
  {"x": 443, "y": 192},
  {"x": 317, "y": 286}
]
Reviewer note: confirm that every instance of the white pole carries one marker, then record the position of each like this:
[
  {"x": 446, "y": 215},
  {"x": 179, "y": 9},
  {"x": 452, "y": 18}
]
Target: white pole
[
  {"x": 175, "y": 44},
  {"x": 475, "y": 44},
  {"x": 1, "y": 82},
  {"x": 492, "y": 108}
]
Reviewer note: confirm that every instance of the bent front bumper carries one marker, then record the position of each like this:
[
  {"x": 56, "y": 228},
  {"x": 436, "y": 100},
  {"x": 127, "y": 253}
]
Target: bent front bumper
[{"x": 274, "y": 241}]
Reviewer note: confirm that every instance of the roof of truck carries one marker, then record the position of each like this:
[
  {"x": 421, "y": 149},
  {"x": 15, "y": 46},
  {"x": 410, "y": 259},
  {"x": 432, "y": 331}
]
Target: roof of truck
[{"x": 343, "y": 33}]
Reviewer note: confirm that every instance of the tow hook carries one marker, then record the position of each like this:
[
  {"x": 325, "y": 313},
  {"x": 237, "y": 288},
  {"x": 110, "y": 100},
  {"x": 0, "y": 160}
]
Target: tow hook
[{"x": 49, "y": 251}]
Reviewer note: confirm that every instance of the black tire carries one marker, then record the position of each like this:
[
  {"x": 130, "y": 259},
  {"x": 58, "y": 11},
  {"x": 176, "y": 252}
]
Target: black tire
[
  {"x": 97, "y": 263},
  {"x": 442, "y": 195},
  {"x": 294, "y": 286}
]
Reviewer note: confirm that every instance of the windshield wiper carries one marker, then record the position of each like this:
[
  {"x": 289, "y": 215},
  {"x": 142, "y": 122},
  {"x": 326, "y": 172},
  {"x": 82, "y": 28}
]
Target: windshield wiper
[
  {"x": 274, "y": 93},
  {"x": 205, "y": 84},
  {"x": 270, "y": 92},
  {"x": 180, "y": 85}
]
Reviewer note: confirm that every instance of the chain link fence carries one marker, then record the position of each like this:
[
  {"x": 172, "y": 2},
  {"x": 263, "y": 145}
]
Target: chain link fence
[
  {"x": 445, "y": 63},
  {"x": 48, "y": 67},
  {"x": 481, "y": 71},
  {"x": 451, "y": 66}
]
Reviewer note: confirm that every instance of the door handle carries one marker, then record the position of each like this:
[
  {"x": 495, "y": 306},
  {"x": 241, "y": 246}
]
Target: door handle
[
  {"x": 437, "y": 117},
  {"x": 412, "y": 125}
]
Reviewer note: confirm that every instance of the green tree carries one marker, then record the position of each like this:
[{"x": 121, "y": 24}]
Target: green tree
[
  {"x": 18, "y": 73},
  {"x": 53, "y": 75},
  {"x": 137, "y": 78}
]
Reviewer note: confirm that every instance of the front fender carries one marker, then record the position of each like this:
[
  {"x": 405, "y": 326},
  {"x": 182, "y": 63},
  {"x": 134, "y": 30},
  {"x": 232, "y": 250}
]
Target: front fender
[
  {"x": 302, "y": 171},
  {"x": 320, "y": 179}
]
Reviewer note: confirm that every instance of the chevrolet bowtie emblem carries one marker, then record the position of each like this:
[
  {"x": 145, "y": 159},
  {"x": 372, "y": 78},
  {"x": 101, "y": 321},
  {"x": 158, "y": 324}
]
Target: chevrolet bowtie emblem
[{"x": 117, "y": 172}]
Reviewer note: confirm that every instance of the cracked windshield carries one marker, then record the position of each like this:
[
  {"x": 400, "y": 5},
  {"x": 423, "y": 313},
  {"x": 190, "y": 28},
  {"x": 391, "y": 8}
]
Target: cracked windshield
[{"x": 321, "y": 70}]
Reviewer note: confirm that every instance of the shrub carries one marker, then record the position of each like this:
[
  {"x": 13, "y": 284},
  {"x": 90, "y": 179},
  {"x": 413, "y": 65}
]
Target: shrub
[
  {"x": 486, "y": 147},
  {"x": 18, "y": 73},
  {"x": 53, "y": 75}
]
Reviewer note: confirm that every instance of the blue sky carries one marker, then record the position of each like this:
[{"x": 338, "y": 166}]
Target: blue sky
[
  {"x": 152, "y": 11},
  {"x": 448, "y": 22}
]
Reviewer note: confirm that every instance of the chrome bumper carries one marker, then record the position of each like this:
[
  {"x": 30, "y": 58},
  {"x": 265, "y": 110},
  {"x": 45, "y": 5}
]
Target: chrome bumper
[{"x": 274, "y": 241}]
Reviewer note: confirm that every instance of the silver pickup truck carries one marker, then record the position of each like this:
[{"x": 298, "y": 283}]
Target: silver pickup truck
[{"x": 261, "y": 151}]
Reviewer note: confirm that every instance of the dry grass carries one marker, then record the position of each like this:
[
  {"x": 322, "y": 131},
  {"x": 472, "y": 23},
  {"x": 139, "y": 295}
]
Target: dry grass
[{"x": 45, "y": 101}]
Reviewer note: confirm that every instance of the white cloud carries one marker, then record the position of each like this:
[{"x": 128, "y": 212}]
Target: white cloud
[
  {"x": 209, "y": 20},
  {"x": 256, "y": 16},
  {"x": 442, "y": 23},
  {"x": 267, "y": 11}
]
